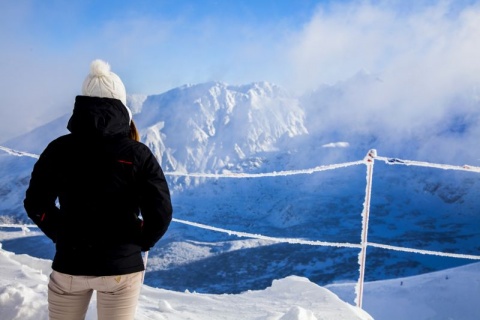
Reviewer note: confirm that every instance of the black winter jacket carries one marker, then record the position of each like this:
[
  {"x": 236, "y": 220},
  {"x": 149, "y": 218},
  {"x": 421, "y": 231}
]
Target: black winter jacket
[{"x": 103, "y": 181}]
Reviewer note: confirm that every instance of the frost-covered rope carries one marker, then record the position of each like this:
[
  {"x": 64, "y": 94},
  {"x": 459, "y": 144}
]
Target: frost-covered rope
[
  {"x": 273, "y": 239},
  {"x": 394, "y": 161},
  {"x": 427, "y": 252},
  {"x": 266, "y": 174},
  {"x": 24, "y": 227},
  {"x": 229, "y": 232},
  {"x": 21, "y": 226},
  {"x": 19, "y": 153},
  {"x": 225, "y": 175},
  {"x": 323, "y": 243}
]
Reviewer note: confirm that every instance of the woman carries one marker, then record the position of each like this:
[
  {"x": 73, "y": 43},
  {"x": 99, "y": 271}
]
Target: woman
[{"x": 104, "y": 180}]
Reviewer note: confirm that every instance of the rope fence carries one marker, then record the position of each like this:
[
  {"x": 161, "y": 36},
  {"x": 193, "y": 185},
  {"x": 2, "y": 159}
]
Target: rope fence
[{"x": 364, "y": 243}]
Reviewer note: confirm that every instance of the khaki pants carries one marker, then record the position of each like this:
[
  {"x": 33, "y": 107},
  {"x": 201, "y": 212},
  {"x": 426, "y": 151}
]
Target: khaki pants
[{"x": 117, "y": 296}]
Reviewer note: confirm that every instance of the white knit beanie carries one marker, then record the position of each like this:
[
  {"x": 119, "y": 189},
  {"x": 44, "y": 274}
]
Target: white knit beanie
[{"x": 103, "y": 83}]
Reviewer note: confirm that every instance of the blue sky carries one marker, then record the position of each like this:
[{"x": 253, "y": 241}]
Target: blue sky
[{"x": 156, "y": 45}]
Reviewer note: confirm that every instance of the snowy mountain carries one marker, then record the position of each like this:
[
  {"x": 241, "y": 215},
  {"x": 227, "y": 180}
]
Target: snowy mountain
[
  {"x": 214, "y": 127},
  {"x": 219, "y": 128}
]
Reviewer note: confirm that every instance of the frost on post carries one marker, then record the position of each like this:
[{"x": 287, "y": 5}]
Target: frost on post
[{"x": 369, "y": 159}]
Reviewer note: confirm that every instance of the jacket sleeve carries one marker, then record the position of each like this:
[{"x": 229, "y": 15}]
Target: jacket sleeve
[
  {"x": 40, "y": 196},
  {"x": 155, "y": 202}
]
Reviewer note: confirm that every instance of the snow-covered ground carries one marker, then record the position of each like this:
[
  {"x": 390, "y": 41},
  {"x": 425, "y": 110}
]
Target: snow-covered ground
[
  {"x": 447, "y": 294},
  {"x": 23, "y": 296}
]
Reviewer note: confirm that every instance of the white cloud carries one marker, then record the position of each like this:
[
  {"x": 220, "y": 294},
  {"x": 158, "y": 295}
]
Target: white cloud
[{"x": 428, "y": 45}]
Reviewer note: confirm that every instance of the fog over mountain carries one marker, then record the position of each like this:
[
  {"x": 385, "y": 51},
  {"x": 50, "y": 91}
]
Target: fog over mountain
[{"x": 259, "y": 127}]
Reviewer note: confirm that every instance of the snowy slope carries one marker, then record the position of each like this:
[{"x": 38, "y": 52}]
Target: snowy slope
[
  {"x": 447, "y": 294},
  {"x": 23, "y": 295},
  {"x": 14, "y": 176}
]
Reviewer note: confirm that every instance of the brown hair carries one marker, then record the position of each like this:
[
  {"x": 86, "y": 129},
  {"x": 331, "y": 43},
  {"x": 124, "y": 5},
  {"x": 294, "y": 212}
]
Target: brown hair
[{"x": 134, "y": 132}]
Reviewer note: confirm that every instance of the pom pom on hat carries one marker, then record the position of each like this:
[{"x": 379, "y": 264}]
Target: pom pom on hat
[{"x": 103, "y": 83}]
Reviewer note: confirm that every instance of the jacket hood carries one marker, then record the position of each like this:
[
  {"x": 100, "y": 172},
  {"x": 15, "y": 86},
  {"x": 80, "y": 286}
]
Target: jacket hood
[{"x": 99, "y": 117}]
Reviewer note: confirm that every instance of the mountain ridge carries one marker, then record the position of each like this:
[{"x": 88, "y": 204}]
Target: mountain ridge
[{"x": 259, "y": 115}]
